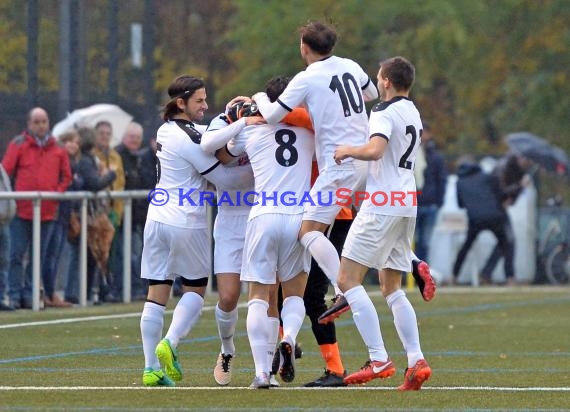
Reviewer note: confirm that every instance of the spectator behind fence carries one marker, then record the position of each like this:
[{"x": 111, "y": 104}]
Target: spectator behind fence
[
  {"x": 110, "y": 159},
  {"x": 35, "y": 162},
  {"x": 89, "y": 175},
  {"x": 130, "y": 151},
  {"x": 7, "y": 212},
  {"x": 431, "y": 178},
  {"x": 148, "y": 166},
  {"x": 58, "y": 246},
  {"x": 481, "y": 195}
]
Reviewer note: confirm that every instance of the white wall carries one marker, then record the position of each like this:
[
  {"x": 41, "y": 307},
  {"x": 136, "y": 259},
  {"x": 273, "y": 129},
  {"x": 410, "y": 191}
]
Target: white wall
[{"x": 451, "y": 228}]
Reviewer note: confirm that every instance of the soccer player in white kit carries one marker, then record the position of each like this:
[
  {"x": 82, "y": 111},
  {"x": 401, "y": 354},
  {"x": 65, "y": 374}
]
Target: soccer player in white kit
[
  {"x": 334, "y": 90},
  {"x": 281, "y": 158},
  {"x": 381, "y": 234},
  {"x": 229, "y": 237},
  {"x": 176, "y": 238}
]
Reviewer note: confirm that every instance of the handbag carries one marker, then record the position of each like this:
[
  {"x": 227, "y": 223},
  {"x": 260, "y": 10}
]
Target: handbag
[{"x": 100, "y": 233}]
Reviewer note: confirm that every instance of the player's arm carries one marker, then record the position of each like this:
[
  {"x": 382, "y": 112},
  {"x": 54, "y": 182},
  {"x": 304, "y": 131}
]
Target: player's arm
[
  {"x": 240, "y": 176},
  {"x": 274, "y": 112},
  {"x": 220, "y": 132},
  {"x": 369, "y": 91},
  {"x": 215, "y": 140},
  {"x": 373, "y": 150}
]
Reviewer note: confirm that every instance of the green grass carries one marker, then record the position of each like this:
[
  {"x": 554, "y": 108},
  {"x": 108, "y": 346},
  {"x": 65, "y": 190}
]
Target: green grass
[{"x": 481, "y": 343}]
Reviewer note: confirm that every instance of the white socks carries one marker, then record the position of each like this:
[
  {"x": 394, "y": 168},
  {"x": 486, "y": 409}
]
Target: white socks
[
  {"x": 152, "y": 321},
  {"x": 259, "y": 332},
  {"x": 186, "y": 314},
  {"x": 406, "y": 325},
  {"x": 367, "y": 322},
  {"x": 324, "y": 254},
  {"x": 292, "y": 315},
  {"x": 226, "y": 328}
]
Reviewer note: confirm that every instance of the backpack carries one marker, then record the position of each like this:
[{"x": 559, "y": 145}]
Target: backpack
[{"x": 7, "y": 206}]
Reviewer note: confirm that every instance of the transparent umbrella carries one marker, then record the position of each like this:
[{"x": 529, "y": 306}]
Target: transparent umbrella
[{"x": 90, "y": 116}]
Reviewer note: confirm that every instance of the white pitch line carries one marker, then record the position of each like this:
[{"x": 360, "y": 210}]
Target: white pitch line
[
  {"x": 94, "y": 318},
  {"x": 372, "y": 293},
  {"x": 217, "y": 388},
  {"x": 105, "y": 317}
]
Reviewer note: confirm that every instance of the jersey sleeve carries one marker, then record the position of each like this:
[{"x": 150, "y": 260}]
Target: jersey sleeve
[
  {"x": 369, "y": 90},
  {"x": 272, "y": 112},
  {"x": 190, "y": 151},
  {"x": 219, "y": 133},
  {"x": 293, "y": 95},
  {"x": 236, "y": 146},
  {"x": 380, "y": 125}
]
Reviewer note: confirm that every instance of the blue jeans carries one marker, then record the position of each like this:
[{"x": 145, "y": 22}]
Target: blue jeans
[
  {"x": 4, "y": 258},
  {"x": 20, "y": 281},
  {"x": 138, "y": 285},
  {"x": 54, "y": 252},
  {"x": 425, "y": 222}
]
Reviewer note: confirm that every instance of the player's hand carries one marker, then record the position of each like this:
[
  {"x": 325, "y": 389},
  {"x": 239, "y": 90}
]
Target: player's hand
[
  {"x": 254, "y": 120},
  {"x": 341, "y": 153},
  {"x": 237, "y": 99}
]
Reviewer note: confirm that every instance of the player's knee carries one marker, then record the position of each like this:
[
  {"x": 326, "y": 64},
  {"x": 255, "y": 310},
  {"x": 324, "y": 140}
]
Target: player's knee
[{"x": 228, "y": 300}]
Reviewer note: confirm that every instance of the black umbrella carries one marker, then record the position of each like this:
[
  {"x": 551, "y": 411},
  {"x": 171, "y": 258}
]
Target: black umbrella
[{"x": 534, "y": 148}]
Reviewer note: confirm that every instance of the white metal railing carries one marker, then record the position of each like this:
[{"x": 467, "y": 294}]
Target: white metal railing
[{"x": 37, "y": 197}]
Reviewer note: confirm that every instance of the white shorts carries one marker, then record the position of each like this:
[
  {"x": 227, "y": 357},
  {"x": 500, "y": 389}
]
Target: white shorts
[
  {"x": 380, "y": 241},
  {"x": 171, "y": 251},
  {"x": 271, "y": 247},
  {"x": 346, "y": 181},
  {"x": 229, "y": 237}
]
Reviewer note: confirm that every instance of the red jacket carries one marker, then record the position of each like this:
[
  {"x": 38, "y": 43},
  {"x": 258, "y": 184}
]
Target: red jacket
[{"x": 37, "y": 168}]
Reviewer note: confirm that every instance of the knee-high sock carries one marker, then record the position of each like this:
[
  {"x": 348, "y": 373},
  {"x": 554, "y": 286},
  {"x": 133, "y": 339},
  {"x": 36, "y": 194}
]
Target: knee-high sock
[
  {"x": 226, "y": 328},
  {"x": 258, "y": 333},
  {"x": 324, "y": 254},
  {"x": 367, "y": 322},
  {"x": 406, "y": 325},
  {"x": 152, "y": 321},
  {"x": 292, "y": 314},
  {"x": 331, "y": 355},
  {"x": 186, "y": 314}
]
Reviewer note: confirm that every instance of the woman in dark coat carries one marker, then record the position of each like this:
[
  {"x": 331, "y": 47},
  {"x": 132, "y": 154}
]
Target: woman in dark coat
[{"x": 89, "y": 173}]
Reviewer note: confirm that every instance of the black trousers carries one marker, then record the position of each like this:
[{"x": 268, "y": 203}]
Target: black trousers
[
  {"x": 318, "y": 286},
  {"x": 505, "y": 248}
]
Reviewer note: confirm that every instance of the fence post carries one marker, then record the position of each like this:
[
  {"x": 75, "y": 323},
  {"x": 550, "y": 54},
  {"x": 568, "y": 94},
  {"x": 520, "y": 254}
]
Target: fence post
[
  {"x": 83, "y": 255},
  {"x": 36, "y": 252},
  {"x": 127, "y": 236}
]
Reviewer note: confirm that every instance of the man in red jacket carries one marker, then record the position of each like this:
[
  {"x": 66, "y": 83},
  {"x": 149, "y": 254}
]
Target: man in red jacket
[{"x": 35, "y": 162}]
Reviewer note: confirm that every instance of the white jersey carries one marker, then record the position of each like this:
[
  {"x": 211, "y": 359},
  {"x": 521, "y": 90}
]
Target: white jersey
[
  {"x": 281, "y": 158},
  {"x": 332, "y": 91},
  {"x": 232, "y": 193},
  {"x": 391, "y": 184},
  {"x": 180, "y": 196}
]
